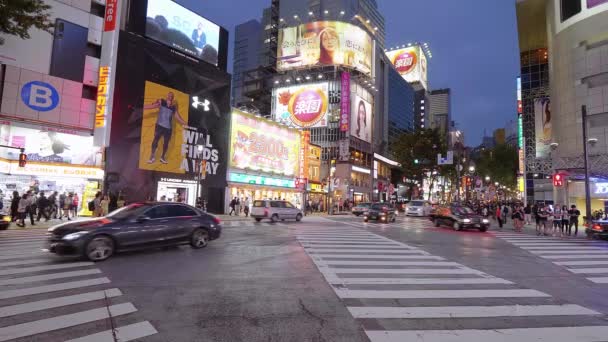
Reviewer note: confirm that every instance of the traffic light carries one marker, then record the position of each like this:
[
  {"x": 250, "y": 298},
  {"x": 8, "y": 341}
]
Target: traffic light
[
  {"x": 22, "y": 159},
  {"x": 558, "y": 180},
  {"x": 469, "y": 181}
]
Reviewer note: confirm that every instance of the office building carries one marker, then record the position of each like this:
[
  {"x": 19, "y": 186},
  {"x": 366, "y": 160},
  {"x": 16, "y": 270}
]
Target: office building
[
  {"x": 439, "y": 113},
  {"x": 247, "y": 55},
  {"x": 400, "y": 107}
]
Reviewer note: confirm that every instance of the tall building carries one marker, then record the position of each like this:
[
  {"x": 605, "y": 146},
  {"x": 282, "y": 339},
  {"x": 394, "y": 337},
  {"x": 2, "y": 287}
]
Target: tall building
[
  {"x": 499, "y": 136},
  {"x": 511, "y": 133},
  {"x": 439, "y": 113},
  {"x": 400, "y": 107},
  {"x": 563, "y": 66},
  {"x": 247, "y": 55}
]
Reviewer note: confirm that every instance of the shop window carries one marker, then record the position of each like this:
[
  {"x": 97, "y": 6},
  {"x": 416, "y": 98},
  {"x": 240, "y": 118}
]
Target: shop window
[{"x": 570, "y": 8}]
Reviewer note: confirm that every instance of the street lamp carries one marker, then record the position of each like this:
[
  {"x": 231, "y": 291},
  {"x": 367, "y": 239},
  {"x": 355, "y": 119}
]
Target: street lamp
[
  {"x": 471, "y": 168},
  {"x": 487, "y": 178}
]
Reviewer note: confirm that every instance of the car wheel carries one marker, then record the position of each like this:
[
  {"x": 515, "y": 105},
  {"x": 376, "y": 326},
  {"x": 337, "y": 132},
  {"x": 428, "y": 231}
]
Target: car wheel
[
  {"x": 456, "y": 226},
  {"x": 394, "y": 219},
  {"x": 274, "y": 218},
  {"x": 365, "y": 220},
  {"x": 199, "y": 238},
  {"x": 257, "y": 219},
  {"x": 437, "y": 223},
  {"x": 99, "y": 248},
  {"x": 299, "y": 217}
]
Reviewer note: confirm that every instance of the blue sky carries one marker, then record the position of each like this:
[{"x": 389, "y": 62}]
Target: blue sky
[{"x": 474, "y": 45}]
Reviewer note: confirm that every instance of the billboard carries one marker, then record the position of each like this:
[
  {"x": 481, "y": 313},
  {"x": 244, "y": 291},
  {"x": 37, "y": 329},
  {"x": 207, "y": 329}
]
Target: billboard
[
  {"x": 519, "y": 103},
  {"x": 542, "y": 123},
  {"x": 344, "y": 102},
  {"x": 361, "y": 119},
  {"x": 262, "y": 145},
  {"x": 183, "y": 30},
  {"x": 302, "y": 106},
  {"x": 411, "y": 64},
  {"x": 324, "y": 43}
]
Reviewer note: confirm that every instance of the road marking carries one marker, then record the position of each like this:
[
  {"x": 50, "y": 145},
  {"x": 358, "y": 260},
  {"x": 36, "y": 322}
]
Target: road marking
[
  {"x": 576, "y": 256},
  {"x": 52, "y": 288},
  {"x": 18, "y": 309},
  {"x": 64, "y": 321},
  {"x": 391, "y": 263},
  {"x": 21, "y": 255},
  {"x": 566, "y": 248},
  {"x": 12, "y": 240},
  {"x": 546, "y": 244},
  {"x": 365, "y": 251},
  {"x": 306, "y": 240},
  {"x": 25, "y": 280},
  {"x": 588, "y": 270},
  {"x": 421, "y": 294},
  {"x": 599, "y": 280},
  {"x": 367, "y": 256},
  {"x": 581, "y": 263},
  {"x": 470, "y": 311},
  {"x": 45, "y": 268},
  {"x": 580, "y": 251},
  {"x": 421, "y": 281},
  {"x": 557, "y": 334},
  {"x": 345, "y": 243},
  {"x": 361, "y": 247},
  {"x": 123, "y": 334},
  {"x": 25, "y": 262},
  {"x": 404, "y": 271}
]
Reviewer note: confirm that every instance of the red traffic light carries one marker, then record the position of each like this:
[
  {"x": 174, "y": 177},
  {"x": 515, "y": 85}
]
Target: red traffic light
[
  {"x": 558, "y": 180},
  {"x": 22, "y": 159}
]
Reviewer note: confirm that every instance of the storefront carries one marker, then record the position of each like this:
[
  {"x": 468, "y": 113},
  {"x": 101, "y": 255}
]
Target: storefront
[{"x": 256, "y": 187}]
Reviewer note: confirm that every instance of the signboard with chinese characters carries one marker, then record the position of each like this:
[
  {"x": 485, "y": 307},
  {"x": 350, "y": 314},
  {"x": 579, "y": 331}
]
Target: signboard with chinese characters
[
  {"x": 410, "y": 62},
  {"x": 302, "y": 106},
  {"x": 345, "y": 102},
  {"x": 261, "y": 180},
  {"x": 303, "y": 163}
]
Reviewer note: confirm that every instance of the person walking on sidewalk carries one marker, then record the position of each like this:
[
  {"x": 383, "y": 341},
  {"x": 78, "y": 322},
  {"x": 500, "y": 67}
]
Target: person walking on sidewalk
[
  {"x": 15, "y": 206},
  {"x": 505, "y": 212},
  {"x": 499, "y": 217},
  {"x": 528, "y": 214},
  {"x": 518, "y": 218},
  {"x": 43, "y": 207},
  {"x": 75, "y": 202},
  {"x": 574, "y": 214},
  {"x": 232, "y": 206},
  {"x": 24, "y": 206},
  {"x": 550, "y": 219},
  {"x": 246, "y": 206},
  {"x": 565, "y": 220}
]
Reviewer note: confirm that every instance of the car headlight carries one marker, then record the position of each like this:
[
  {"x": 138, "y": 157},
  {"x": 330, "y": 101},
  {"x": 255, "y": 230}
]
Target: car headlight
[
  {"x": 466, "y": 220},
  {"x": 485, "y": 221},
  {"x": 75, "y": 236},
  {"x": 6, "y": 219}
]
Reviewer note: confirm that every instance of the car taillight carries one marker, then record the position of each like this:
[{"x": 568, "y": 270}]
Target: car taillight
[
  {"x": 597, "y": 227},
  {"x": 217, "y": 220},
  {"x": 385, "y": 209}
]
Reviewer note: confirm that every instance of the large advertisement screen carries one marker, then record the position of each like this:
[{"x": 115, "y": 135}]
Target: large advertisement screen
[
  {"x": 411, "y": 64},
  {"x": 361, "y": 119},
  {"x": 262, "y": 145},
  {"x": 543, "y": 129},
  {"x": 182, "y": 29},
  {"x": 324, "y": 43},
  {"x": 302, "y": 106}
]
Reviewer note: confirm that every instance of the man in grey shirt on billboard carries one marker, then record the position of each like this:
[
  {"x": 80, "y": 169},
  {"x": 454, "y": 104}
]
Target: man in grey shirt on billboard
[{"x": 167, "y": 109}]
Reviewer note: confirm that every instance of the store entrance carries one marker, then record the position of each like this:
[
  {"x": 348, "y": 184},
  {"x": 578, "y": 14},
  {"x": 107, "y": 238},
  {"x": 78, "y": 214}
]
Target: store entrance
[{"x": 176, "y": 192}]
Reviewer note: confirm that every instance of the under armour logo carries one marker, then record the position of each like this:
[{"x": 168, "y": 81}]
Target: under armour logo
[{"x": 205, "y": 103}]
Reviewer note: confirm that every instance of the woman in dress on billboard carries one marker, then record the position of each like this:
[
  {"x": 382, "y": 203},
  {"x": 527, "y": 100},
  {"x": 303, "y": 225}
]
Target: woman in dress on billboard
[
  {"x": 167, "y": 109},
  {"x": 362, "y": 132},
  {"x": 329, "y": 46}
]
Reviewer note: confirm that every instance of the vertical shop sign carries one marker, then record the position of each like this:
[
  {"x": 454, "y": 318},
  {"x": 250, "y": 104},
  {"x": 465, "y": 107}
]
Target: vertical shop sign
[
  {"x": 110, "y": 15},
  {"x": 344, "y": 154},
  {"x": 303, "y": 162},
  {"x": 345, "y": 102},
  {"x": 101, "y": 108}
]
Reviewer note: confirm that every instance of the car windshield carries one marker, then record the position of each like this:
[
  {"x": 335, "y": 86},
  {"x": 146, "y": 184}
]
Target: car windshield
[
  {"x": 364, "y": 205},
  {"x": 416, "y": 203},
  {"x": 379, "y": 206},
  {"x": 132, "y": 210},
  {"x": 462, "y": 210},
  {"x": 259, "y": 204}
]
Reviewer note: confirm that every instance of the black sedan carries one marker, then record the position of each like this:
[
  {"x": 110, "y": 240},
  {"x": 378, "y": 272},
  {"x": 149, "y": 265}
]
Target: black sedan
[
  {"x": 382, "y": 212},
  {"x": 459, "y": 217},
  {"x": 136, "y": 226},
  {"x": 598, "y": 230}
]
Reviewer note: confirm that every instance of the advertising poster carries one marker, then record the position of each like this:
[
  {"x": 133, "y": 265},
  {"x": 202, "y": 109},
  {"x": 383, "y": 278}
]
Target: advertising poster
[
  {"x": 324, "y": 43},
  {"x": 302, "y": 106},
  {"x": 182, "y": 29},
  {"x": 262, "y": 145},
  {"x": 361, "y": 119},
  {"x": 410, "y": 62},
  {"x": 542, "y": 123}
]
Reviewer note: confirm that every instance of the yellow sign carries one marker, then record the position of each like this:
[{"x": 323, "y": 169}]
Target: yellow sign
[
  {"x": 103, "y": 91},
  {"x": 317, "y": 188},
  {"x": 46, "y": 169},
  {"x": 263, "y": 145}
]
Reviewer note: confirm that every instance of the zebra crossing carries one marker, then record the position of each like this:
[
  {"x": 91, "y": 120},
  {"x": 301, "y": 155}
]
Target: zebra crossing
[
  {"x": 249, "y": 224},
  {"x": 46, "y": 298},
  {"x": 400, "y": 293},
  {"x": 577, "y": 255},
  {"x": 401, "y": 222}
]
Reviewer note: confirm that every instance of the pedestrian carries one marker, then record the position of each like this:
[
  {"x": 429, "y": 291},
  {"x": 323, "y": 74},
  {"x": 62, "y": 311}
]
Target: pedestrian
[
  {"x": 15, "y": 206},
  {"x": 542, "y": 219},
  {"x": 97, "y": 204},
  {"x": 565, "y": 220},
  {"x": 121, "y": 201},
  {"x": 557, "y": 220},
  {"x": 43, "y": 209},
  {"x": 105, "y": 205},
  {"x": 528, "y": 214},
  {"x": 246, "y": 206},
  {"x": 53, "y": 205},
  {"x": 113, "y": 203},
  {"x": 75, "y": 202},
  {"x": 574, "y": 214},
  {"x": 536, "y": 217},
  {"x": 237, "y": 206},
  {"x": 232, "y": 206},
  {"x": 550, "y": 220},
  {"x": 499, "y": 217},
  {"x": 518, "y": 218},
  {"x": 62, "y": 199},
  {"x": 505, "y": 212},
  {"x": 22, "y": 210}
]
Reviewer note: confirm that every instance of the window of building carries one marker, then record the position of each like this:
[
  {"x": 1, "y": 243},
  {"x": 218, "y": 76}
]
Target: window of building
[{"x": 570, "y": 8}]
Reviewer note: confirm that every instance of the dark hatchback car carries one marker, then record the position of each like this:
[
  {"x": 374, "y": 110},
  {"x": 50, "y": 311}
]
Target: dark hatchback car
[
  {"x": 598, "y": 230},
  {"x": 458, "y": 217},
  {"x": 382, "y": 212},
  {"x": 136, "y": 226}
]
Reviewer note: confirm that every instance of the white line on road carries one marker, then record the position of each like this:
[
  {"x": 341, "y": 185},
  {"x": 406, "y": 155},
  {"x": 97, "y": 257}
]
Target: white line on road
[
  {"x": 421, "y": 281},
  {"x": 65, "y": 321},
  {"x": 390, "y": 263},
  {"x": 588, "y": 270},
  {"x": 25, "y": 280},
  {"x": 52, "y": 288},
  {"x": 18, "y": 309},
  {"x": 342, "y": 244},
  {"x": 470, "y": 311},
  {"x": 568, "y": 248},
  {"x": 404, "y": 271},
  {"x": 552, "y": 244},
  {"x": 361, "y": 247},
  {"x": 581, "y": 263},
  {"x": 367, "y": 256},
  {"x": 556, "y": 334},
  {"x": 576, "y": 256},
  {"x": 414, "y": 294},
  {"x": 580, "y": 251},
  {"x": 599, "y": 280},
  {"x": 20, "y": 239},
  {"x": 365, "y": 251},
  {"x": 123, "y": 334},
  {"x": 45, "y": 268},
  {"x": 376, "y": 239},
  {"x": 25, "y": 262}
]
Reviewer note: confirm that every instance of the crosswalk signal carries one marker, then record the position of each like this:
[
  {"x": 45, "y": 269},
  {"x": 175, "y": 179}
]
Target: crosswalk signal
[
  {"x": 558, "y": 180},
  {"x": 22, "y": 159}
]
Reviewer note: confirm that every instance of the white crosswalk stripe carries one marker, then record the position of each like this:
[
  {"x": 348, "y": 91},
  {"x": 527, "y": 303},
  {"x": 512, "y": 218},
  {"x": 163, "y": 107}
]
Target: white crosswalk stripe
[
  {"x": 250, "y": 224},
  {"x": 572, "y": 253},
  {"x": 416, "y": 285},
  {"x": 35, "y": 286}
]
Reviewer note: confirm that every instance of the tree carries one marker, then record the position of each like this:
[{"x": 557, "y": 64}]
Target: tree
[
  {"x": 19, "y": 16},
  {"x": 500, "y": 163}
]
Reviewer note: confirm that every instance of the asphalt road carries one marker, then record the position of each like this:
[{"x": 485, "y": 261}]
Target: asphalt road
[{"x": 335, "y": 279}]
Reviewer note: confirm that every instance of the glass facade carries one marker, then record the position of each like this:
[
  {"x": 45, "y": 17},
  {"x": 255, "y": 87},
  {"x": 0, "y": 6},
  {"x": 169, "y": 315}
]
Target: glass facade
[{"x": 400, "y": 106}]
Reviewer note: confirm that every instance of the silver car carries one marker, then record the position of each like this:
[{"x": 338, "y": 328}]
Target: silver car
[
  {"x": 418, "y": 208},
  {"x": 275, "y": 211}
]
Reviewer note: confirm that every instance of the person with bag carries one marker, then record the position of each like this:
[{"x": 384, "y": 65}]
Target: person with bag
[
  {"x": 15, "y": 206},
  {"x": 499, "y": 217},
  {"x": 22, "y": 210},
  {"x": 518, "y": 219}
]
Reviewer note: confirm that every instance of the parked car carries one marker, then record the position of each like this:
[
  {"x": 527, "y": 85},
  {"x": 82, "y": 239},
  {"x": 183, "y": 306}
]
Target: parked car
[
  {"x": 5, "y": 221},
  {"x": 361, "y": 209},
  {"x": 275, "y": 211},
  {"x": 383, "y": 212},
  {"x": 136, "y": 226},
  {"x": 459, "y": 217},
  {"x": 418, "y": 208},
  {"x": 598, "y": 230}
]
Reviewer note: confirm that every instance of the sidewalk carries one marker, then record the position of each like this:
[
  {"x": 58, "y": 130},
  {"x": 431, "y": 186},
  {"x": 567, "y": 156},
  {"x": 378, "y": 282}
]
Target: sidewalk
[{"x": 530, "y": 229}]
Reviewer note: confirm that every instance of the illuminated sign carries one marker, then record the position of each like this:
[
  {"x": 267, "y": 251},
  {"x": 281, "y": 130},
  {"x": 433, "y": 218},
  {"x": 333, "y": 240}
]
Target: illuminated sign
[
  {"x": 519, "y": 104},
  {"x": 345, "y": 102},
  {"x": 261, "y": 180},
  {"x": 324, "y": 43},
  {"x": 521, "y": 162},
  {"x": 410, "y": 62},
  {"x": 317, "y": 188},
  {"x": 303, "y": 163},
  {"x": 302, "y": 106},
  {"x": 360, "y": 169},
  {"x": 204, "y": 103},
  {"x": 601, "y": 188},
  {"x": 110, "y": 15},
  {"x": 101, "y": 108},
  {"x": 263, "y": 145},
  {"x": 43, "y": 169},
  {"x": 520, "y": 184},
  {"x": 520, "y": 132}
]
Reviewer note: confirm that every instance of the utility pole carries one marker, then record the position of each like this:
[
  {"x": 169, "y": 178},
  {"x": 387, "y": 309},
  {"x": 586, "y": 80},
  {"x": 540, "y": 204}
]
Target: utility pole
[{"x": 587, "y": 173}]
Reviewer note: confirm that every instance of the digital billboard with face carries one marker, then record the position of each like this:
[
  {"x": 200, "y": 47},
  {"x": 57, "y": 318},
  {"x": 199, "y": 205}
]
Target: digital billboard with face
[
  {"x": 182, "y": 29},
  {"x": 410, "y": 62},
  {"x": 302, "y": 106},
  {"x": 361, "y": 119},
  {"x": 262, "y": 145},
  {"x": 324, "y": 43}
]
